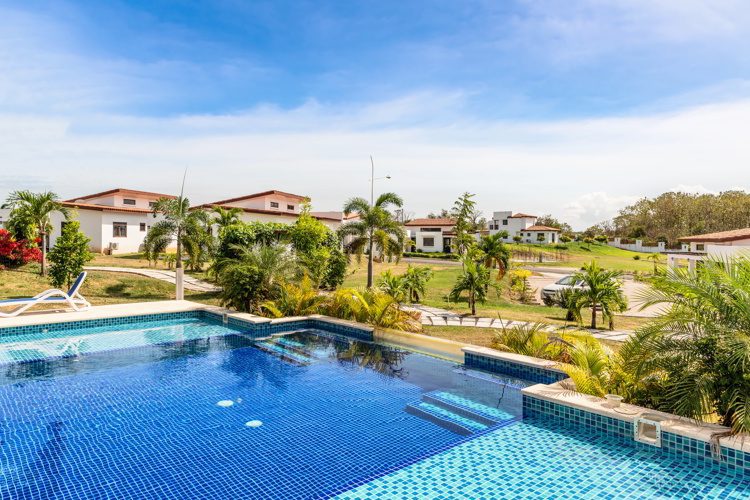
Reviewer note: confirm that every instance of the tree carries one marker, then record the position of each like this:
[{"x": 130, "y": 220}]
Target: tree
[
  {"x": 225, "y": 217},
  {"x": 601, "y": 290},
  {"x": 255, "y": 276},
  {"x": 565, "y": 238},
  {"x": 188, "y": 228},
  {"x": 495, "y": 253},
  {"x": 415, "y": 281},
  {"x": 696, "y": 354},
  {"x": 540, "y": 237},
  {"x": 465, "y": 216},
  {"x": 656, "y": 259},
  {"x": 313, "y": 244},
  {"x": 475, "y": 280},
  {"x": 371, "y": 219},
  {"x": 69, "y": 255},
  {"x": 31, "y": 212},
  {"x": 517, "y": 238},
  {"x": 550, "y": 221}
]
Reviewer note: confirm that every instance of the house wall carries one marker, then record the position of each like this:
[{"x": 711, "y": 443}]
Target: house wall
[
  {"x": 419, "y": 234},
  {"x": 638, "y": 246},
  {"x": 4, "y": 214},
  {"x": 531, "y": 237},
  {"x": 265, "y": 203},
  {"x": 502, "y": 221},
  {"x": 696, "y": 245}
]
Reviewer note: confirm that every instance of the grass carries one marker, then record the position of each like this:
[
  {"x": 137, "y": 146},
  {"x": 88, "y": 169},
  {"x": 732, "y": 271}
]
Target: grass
[
  {"x": 498, "y": 305},
  {"x": 100, "y": 288},
  {"x": 578, "y": 254}
]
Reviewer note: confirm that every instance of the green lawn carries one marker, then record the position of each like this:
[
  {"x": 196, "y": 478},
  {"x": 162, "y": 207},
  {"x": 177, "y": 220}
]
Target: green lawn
[
  {"x": 499, "y": 305},
  {"x": 609, "y": 257},
  {"x": 100, "y": 288}
]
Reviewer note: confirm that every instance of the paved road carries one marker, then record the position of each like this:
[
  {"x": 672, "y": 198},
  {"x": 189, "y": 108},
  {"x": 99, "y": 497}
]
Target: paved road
[{"x": 193, "y": 284}]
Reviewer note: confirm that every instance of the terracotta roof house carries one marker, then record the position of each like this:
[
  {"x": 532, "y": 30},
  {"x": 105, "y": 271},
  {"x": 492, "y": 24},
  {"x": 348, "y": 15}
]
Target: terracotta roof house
[
  {"x": 273, "y": 206},
  {"x": 116, "y": 221},
  {"x": 523, "y": 226},
  {"x": 722, "y": 245}
]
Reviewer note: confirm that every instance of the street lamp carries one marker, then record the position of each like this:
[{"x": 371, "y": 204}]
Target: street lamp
[{"x": 372, "y": 181}]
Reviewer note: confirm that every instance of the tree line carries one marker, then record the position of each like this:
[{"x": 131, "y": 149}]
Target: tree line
[{"x": 672, "y": 215}]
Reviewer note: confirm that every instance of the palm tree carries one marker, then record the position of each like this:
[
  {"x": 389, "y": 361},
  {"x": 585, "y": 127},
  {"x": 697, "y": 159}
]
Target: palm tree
[
  {"x": 300, "y": 299},
  {"x": 372, "y": 219},
  {"x": 224, "y": 217},
  {"x": 601, "y": 290},
  {"x": 475, "y": 280},
  {"x": 696, "y": 353},
  {"x": 392, "y": 285},
  {"x": 415, "y": 281},
  {"x": 188, "y": 228},
  {"x": 495, "y": 253},
  {"x": 656, "y": 259},
  {"x": 255, "y": 276},
  {"x": 33, "y": 210}
]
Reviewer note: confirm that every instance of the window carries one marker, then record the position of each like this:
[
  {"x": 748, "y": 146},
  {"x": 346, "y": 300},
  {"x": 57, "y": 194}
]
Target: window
[
  {"x": 151, "y": 204},
  {"x": 119, "y": 229},
  {"x": 290, "y": 207},
  {"x": 428, "y": 242},
  {"x": 505, "y": 222},
  {"x": 62, "y": 225},
  {"x": 430, "y": 229},
  {"x": 128, "y": 201},
  {"x": 143, "y": 226},
  {"x": 274, "y": 204},
  {"x": 700, "y": 247}
]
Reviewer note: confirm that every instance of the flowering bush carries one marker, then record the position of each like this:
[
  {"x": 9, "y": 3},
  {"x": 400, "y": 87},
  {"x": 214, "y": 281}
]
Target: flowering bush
[{"x": 17, "y": 252}]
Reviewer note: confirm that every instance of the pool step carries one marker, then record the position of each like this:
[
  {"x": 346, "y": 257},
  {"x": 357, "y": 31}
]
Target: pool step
[
  {"x": 445, "y": 418},
  {"x": 272, "y": 346},
  {"x": 468, "y": 408},
  {"x": 515, "y": 383}
]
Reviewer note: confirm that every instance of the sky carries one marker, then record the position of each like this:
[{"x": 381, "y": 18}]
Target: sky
[{"x": 570, "y": 107}]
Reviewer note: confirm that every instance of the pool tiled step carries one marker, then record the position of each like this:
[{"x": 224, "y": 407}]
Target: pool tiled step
[
  {"x": 281, "y": 351},
  {"x": 445, "y": 418},
  {"x": 468, "y": 408},
  {"x": 513, "y": 382}
]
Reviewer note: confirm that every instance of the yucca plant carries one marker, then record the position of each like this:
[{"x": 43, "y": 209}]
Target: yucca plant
[
  {"x": 529, "y": 339},
  {"x": 371, "y": 306},
  {"x": 392, "y": 285},
  {"x": 696, "y": 353}
]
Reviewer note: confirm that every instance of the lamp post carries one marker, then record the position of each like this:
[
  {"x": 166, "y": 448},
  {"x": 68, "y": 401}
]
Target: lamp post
[{"x": 372, "y": 181}]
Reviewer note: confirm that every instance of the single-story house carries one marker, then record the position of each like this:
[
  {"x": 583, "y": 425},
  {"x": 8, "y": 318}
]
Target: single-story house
[{"x": 721, "y": 245}]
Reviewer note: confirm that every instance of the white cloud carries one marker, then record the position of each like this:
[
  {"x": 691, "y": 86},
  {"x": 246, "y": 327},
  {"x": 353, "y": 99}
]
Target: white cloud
[
  {"x": 692, "y": 189},
  {"x": 597, "y": 206}
]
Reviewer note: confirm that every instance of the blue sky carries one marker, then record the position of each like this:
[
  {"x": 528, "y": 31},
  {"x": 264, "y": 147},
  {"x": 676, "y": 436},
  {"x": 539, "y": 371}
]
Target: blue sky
[{"x": 572, "y": 107}]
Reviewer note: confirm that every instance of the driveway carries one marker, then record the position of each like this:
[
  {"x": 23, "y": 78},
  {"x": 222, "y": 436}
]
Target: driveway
[{"x": 631, "y": 288}]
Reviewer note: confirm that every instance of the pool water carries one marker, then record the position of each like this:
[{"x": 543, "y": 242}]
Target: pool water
[{"x": 191, "y": 408}]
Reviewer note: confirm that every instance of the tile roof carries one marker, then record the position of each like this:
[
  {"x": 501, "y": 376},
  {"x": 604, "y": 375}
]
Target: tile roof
[
  {"x": 431, "y": 222},
  {"x": 733, "y": 235},
  {"x": 121, "y": 191},
  {"x": 258, "y": 195},
  {"x": 522, "y": 216},
  {"x": 106, "y": 208},
  {"x": 318, "y": 216},
  {"x": 540, "y": 228}
]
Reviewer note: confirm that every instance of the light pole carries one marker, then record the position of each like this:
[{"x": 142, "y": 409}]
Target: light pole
[{"x": 372, "y": 181}]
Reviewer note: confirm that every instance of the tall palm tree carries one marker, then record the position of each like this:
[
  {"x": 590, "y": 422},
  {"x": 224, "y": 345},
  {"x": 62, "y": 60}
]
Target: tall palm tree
[
  {"x": 697, "y": 351},
  {"x": 224, "y": 217},
  {"x": 372, "y": 219},
  {"x": 33, "y": 210},
  {"x": 656, "y": 259},
  {"x": 495, "y": 253},
  {"x": 602, "y": 290},
  {"x": 475, "y": 280},
  {"x": 188, "y": 228}
]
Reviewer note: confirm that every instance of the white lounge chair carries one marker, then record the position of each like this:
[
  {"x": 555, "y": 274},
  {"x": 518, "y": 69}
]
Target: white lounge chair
[{"x": 72, "y": 298}]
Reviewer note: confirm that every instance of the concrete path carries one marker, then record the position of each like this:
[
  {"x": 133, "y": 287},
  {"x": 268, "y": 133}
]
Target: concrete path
[
  {"x": 191, "y": 283},
  {"x": 433, "y": 316}
]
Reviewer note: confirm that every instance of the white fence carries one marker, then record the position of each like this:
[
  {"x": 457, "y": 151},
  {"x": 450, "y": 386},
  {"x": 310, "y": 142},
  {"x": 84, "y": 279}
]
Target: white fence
[{"x": 638, "y": 246}]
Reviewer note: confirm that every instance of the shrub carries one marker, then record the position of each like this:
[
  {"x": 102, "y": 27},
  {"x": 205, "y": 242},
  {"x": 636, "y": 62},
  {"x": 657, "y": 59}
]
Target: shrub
[
  {"x": 561, "y": 247},
  {"x": 336, "y": 271},
  {"x": 432, "y": 255},
  {"x": 244, "y": 235},
  {"x": 519, "y": 284},
  {"x": 601, "y": 238},
  {"x": 565, "y": 239},
  {"x": 14, "y": 253},
  {"x": 69, "y": 255},
  {"x": 636, "y": 257}
]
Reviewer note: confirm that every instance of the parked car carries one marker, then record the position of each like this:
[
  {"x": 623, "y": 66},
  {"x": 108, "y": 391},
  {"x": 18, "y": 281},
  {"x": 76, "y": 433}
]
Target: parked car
[{"x": 565, "y": 283}]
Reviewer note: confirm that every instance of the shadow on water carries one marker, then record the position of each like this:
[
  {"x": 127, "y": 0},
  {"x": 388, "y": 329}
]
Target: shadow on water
[{"x": 39, "y": 480}]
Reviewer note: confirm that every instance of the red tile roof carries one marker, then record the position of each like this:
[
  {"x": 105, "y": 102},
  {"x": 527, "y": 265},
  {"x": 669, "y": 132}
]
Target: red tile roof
[
  {"x": 722, "y": 236},
  {"x": 258, "y": 195},
  {"x": 121, "y": 191},
  {"x": 431, "y": 222},
  {"x": 522, "y": 216},
  {"x": 268, "y": 212},
  {"x": 540, "y": 228}
]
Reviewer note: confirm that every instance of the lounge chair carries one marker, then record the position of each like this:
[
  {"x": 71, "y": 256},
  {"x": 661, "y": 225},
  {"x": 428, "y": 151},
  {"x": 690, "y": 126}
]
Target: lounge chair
[{"x": 72, "y": 298}]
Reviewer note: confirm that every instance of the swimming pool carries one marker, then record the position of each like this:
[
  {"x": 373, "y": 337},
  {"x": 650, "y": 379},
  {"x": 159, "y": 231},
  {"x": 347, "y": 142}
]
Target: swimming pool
[{"x": 193, "y": 408}]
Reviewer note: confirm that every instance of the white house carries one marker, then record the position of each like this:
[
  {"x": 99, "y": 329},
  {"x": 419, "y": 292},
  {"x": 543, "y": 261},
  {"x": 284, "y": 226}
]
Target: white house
[
  {"x": 721, "y": 245},
  {"x": 523, "y": 225},
  {"x": 431, "y": 235},
  {"x": 116, "y": 221},
  {"x": 274, "y": 206}
]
